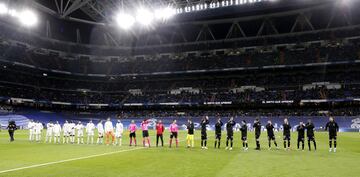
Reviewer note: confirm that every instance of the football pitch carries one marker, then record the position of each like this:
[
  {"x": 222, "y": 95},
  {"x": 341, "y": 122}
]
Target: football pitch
[{"x": 23, "y": 158}]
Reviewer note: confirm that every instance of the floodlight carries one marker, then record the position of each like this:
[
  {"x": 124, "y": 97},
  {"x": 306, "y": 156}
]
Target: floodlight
[
  {"x": 27, "y": 18},
  {"x": 179, "y": 10},
  {"x": 144, "y": 16},
  {"x": 3, "y": 9},
  {"x": 12, "y": 12},
  {"x": 125, "y": 21},
  {"x": 164, "y": 13}
]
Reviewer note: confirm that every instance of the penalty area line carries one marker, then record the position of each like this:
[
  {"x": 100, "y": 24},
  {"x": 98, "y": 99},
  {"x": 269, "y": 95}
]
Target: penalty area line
[{"x": 68, "y": 160}]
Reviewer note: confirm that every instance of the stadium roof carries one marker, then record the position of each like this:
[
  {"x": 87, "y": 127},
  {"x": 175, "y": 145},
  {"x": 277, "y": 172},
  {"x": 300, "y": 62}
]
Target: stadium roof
[
  {"x": 101, "y": 11},
  {"x": 59, "y": 20}
]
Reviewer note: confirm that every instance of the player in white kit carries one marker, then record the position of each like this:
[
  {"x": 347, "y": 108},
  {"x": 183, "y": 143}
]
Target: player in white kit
[
  {"x": 72, "y": 131},
  {"x": 66, "y": 132},
  {"x": 37, "y": 130},
  {"x": 31, "y": 126},
  {"x": 49, "y": 132},
  {"x": 80, "y": 133},
  {"x": 90, "y": 127},
  {"x": 118, "y": 132},
  {"x": 57, "y": 132},
  {"x": 100, "y": 129},
  {"x": 109, "y": 132}
]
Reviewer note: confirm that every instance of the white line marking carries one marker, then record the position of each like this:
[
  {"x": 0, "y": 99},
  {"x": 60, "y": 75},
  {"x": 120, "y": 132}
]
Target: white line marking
[
  {"x": 68, "y": 160},
  {"x": 74, "y": 159}
]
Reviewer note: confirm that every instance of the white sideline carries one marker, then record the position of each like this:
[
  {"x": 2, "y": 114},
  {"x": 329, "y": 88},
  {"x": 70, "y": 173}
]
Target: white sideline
[
  {"x": 68, "y": 160},
  {"x": 74, "y": 159}
]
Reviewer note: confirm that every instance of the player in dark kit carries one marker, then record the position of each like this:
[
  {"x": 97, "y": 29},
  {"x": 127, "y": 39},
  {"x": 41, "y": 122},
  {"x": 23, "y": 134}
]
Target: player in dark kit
[
  {"x": 11, "y": 129},
  {"x": 190, "y": 135},
  {"x": 286, "y": 133},
  {"x": 310, "y": 133},
  {"x": 230, "y": 133},
  {"x": 257, "y": 127},
  {"x": 301, "y": 135},
  {"x": 204, "y": 123},
  {"x": 243, "y": 130},
  {"x": 333, "y": 128},
  {"x": 218, "y": 126},
  {"x": 270, "y": 133}
]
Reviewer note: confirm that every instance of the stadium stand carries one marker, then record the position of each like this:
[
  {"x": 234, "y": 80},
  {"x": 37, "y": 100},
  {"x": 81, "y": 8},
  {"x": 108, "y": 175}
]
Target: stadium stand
[{"x": 309, "y": 71}]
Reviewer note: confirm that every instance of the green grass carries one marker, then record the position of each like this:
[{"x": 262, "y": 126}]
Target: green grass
[{"x": 181, "y": 161}]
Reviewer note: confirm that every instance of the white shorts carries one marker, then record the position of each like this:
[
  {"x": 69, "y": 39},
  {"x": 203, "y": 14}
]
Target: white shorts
[
  {"x": 56, "y": 133},
  {"x": 80, "y": 134},
  {"x": 66, "y": 133},
  {"x": 31, "y": 131},
  {"x": 118, "y": 135},
  {"x": 49, "y": 133},
  {"x": 90, "y": 133},
  {"x": 37, "y": 132},
  {"x": 72, "y": 133}
]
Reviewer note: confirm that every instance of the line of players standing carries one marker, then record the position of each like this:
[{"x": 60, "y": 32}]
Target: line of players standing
[
  {"x": 331, "y": 126},
  {"x": 69, "y": 129}
]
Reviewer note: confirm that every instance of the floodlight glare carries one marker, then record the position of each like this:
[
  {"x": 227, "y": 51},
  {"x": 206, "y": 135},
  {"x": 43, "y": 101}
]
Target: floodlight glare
[
  {"x": 125, "y": 21},
  {"x": 28, "y": 18},
  {"x": 3, "y": 9},
  {"x": 164, "y": 13},
  {"x": 144, "y": 16},
  {"x": 12, "y": 12}
]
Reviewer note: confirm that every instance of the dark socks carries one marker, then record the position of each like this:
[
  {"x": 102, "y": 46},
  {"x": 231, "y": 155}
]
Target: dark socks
[
  {"x": 298, "y": 144},
  {"x": 288, "y": 144},
  {"x": 309, "y": 144},
  {"x": 303, "y": 145},
  {"x": 257, "y": 144}
]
